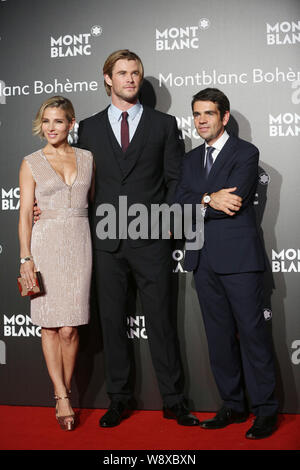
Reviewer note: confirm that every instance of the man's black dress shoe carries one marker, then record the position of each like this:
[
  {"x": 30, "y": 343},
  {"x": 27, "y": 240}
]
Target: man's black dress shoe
[
  {"x": 114, "y": 415},
  {"x": 263, "y": 426},
  {"x": 181, "y": 413},
  {"x": 223, "y": 418}
]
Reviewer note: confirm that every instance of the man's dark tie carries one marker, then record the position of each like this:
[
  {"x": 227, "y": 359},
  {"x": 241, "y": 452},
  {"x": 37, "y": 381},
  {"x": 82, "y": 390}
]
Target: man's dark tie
[
  {"x": 124, "y": 132},
  {"x": 209, "y": 160}
]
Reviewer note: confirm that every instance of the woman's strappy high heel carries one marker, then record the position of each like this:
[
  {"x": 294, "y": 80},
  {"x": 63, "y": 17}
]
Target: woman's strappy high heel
[{"x": 65, "y": 423}]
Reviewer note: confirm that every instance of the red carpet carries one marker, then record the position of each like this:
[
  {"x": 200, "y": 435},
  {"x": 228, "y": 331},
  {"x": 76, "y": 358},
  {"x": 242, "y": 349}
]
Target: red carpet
[{"x": 33, "y": 428}]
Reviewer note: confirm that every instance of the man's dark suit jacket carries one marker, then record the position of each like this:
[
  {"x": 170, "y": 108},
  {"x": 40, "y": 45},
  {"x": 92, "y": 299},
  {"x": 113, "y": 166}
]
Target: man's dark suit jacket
[
  {"x": 232, "y": 242},
  {"x": 147, "y": 173}
]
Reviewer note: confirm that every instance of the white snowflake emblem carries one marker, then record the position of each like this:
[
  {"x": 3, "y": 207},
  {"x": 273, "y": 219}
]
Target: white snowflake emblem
[
  {"x": 267, "y": 314},
  {"x": 204, "y": 23},
  {"x": 96, "y": 30},
  {"x": 264, "y": 178}
]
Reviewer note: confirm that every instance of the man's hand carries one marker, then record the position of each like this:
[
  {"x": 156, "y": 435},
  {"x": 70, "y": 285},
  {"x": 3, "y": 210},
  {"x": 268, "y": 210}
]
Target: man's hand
[
  {"x": 36, "y": 212},
  {"x": 226, "y": 202}
]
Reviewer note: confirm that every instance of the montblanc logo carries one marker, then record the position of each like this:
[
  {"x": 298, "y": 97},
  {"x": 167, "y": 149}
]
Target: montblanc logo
[
  {"x": 286, "y": 261},
  {"x": 20, "y": 325},
  {"x": 264, "y": 178},
  {"x": 72, "y": 45},
  {"x": 284, "y": 125},
  {"x": 96, "y": 30},
  {"x": 267, "y": 314},
  {"x": 179, "y": 38},
  {"x": 136, "y": 327},
  {"x": 204, "y": 23},
  {"x": 10, "y": 199},
  {"x": 187, "y": 128},
  {"x": 284, "y": 33}
]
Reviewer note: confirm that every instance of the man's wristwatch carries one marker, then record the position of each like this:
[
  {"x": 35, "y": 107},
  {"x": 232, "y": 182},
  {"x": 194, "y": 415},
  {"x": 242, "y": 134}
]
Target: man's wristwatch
[
  {"x": 206, "y": 199},
  {"x": 28, "y": 258}
]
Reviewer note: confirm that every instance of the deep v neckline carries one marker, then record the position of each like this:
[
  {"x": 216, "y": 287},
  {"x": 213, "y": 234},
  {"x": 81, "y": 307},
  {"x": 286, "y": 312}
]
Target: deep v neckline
[{"x": 57, "y": 174}]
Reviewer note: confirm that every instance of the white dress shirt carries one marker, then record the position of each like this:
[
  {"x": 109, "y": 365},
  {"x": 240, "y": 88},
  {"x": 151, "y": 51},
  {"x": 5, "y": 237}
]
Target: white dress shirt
[
  {"x": 218, "y": 145},
  {"x": 115, "y": 118}
]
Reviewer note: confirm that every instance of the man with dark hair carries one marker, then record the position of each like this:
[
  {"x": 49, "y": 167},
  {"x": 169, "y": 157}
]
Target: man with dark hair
[
  {"x": 215, "y": 96},
  {"x": 222, "y": 174},
  {"x": 138, "y": 154}
]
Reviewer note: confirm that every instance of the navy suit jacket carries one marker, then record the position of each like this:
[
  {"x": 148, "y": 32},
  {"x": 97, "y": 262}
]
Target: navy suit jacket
[
  {"x": 232, "y": 242},
  {"x": 147, "y": 173}
]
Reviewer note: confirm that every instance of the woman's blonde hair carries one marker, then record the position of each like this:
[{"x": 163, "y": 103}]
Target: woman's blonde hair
[
  {"x": 54, "y": 102},
  {"x": 113, "y": 58}
]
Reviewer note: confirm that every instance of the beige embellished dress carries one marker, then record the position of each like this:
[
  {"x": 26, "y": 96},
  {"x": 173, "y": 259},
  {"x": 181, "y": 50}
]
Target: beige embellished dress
[{"x": 61, "y": 242}]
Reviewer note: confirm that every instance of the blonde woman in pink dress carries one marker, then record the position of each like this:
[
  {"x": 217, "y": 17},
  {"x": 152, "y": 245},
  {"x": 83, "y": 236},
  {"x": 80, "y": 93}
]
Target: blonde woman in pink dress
[{"x": 60, "y": 178}]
